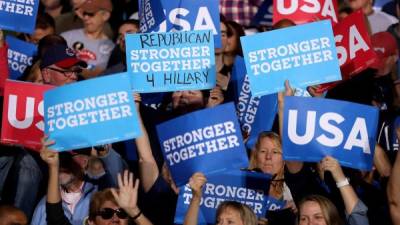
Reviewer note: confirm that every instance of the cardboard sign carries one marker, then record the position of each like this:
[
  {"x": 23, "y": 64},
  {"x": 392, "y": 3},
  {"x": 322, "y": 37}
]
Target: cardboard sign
[
  {"x": 160, "y": 62},
  {"x": 353, "y": 45},
  {"x": 20, "y": 55},
  {"x": 192, "y": 15},
  {"x": 314, "y": 128},
  {"x": 205, "y": 141},
  {"x": 90, "y": 113},
  {"x": 249, "y": 188},
  {"x": 18, "y": 15},
  {"x": 151, "y": 15},
  {"x": 305, "y": 11},
  {"x": 23, "y": 114},
  {"x": 304, "y": 54},
  {"x": 256, "y": 114}
]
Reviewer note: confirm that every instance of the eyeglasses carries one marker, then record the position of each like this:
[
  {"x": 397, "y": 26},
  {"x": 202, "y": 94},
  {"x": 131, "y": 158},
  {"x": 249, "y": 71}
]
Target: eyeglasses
[
  {"x": 108, "y": 213},
  {"x": 66, "y": 73},
  {"x": 89, "y": 14}
]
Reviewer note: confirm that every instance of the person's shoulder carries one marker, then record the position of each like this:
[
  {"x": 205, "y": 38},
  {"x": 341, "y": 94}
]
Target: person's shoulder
[
  {"x": 379, "y": 13},
  {"x": 71, "y": 33}
]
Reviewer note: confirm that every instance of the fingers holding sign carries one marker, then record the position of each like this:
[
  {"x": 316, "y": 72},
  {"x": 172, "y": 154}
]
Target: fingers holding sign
[
  {"x": 332, "y": 165},
  {"x": 197, "y": 182},
  {"x": 48, "y": 155}
]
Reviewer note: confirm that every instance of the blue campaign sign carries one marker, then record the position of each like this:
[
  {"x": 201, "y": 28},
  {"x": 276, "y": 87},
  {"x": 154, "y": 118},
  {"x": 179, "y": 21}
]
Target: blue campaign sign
[
  {"x": 256, "y": 114},
  {"x": 305, "y": 55},
  {"x": 90, "y": 113},
  {"x": 192, "y": 15},
  {"x": 205, "y": 141},
  {"x": 151, "y": 15},
  {"x": 264, "y": 14},
  {"x": 18, "y": 15},
  {"x": 172, "y": 61},
  {"x": 315, "y": 127},
  {"x": 20, "y": 55},
  {"x": 249, "y": 188}
]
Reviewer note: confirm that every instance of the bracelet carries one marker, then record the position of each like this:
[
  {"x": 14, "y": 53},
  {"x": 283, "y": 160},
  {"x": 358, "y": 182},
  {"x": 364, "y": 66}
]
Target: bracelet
[
  {"x": 342, "y": 183},
  {"x": 137, "y": 215}
]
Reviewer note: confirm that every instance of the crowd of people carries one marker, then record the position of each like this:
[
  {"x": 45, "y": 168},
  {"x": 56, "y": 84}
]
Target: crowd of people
[{"x": 85, "y": 39}]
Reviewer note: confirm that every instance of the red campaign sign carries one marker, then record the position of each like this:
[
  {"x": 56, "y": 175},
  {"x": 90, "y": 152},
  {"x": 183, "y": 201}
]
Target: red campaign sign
[
  {"x": 23, "y": 114},
  {"x": 354, "y": 48},
  {"x": 305, "y": 11}
]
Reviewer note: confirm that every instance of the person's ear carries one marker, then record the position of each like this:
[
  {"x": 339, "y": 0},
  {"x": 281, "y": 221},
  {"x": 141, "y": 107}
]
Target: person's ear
[{"x": 105, "y": 15}]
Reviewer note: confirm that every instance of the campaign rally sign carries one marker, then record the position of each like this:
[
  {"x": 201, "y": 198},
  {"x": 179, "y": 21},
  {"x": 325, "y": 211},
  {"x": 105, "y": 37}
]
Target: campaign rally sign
[
  {"x": 205, "y": 141},
  {"x": 353, "y": 45},
  {"x": 18, "y": 15},
  {"x": 264, "y": 14},
  {"x": 151, "y": 15},
  {"x": 256, "y": 114},
  {"x": 249, "y": 188},
  {"x": 304, "y": 54},
  {"x": 305, "y": 11},
  {"x": 90, "y": 113},
  {"x": 192, "y": 15},
  {"x": 172, "y": 61},
  {"x": 20, "y": 55},
  {"x": 23, "y": 113},
  {"x": 315, "y": 127}
]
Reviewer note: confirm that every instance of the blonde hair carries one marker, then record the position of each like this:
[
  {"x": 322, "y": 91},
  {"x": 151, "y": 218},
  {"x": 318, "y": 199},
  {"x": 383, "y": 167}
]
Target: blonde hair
[
  {"x": 329, "y": 211},
  {"x": 246, "y": 214},
  {"x": 265, "y": 134}
]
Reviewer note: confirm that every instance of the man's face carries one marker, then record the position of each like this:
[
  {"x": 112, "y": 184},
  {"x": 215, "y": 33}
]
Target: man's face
[
  {"x": 57, "y": 76},
  {"x": 187, "y": 101},
  {"x": 125, "y": 29},
  {"x": 39, "y": 34},
  {"x": 94, "y": 21}
]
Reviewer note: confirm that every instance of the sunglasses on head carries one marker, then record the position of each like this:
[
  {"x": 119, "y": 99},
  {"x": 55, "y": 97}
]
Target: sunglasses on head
[{"x": 108, "y": 213}]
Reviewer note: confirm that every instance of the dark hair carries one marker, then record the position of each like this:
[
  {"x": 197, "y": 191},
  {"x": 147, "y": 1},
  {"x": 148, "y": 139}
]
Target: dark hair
[
  {"x": 131, "y": 22},
  {"x": 49, "y": 41},
  {"x": 347, "y": 9},
  {"x": 44, "y": 21},
  {"x": 238, "y": 29},
  {"x": 68, "y": 164}
]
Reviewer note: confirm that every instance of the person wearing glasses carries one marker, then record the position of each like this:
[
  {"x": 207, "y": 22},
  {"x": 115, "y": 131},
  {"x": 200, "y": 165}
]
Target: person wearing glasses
[
  {"x": 91, "y": 42},
  {"x": 109, "y": 206},
  {"x": 60, "y": 66}
]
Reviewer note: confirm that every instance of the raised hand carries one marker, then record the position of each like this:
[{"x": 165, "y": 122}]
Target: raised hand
[
  {"x": 127, "y": 195},
  {"x": 48, "y": 155},
  {"x": 197, "y": 182},
  {"x": 332, "y": 165}
]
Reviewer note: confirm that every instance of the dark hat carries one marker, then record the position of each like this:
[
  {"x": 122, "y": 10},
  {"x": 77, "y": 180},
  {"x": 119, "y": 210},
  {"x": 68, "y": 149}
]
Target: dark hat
[
  {"x": 61, "y": 56},
  {"x": 96, "y": 5}
]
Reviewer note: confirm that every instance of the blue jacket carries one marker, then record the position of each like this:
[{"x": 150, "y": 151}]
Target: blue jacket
[{"x": 81, "y": 209}]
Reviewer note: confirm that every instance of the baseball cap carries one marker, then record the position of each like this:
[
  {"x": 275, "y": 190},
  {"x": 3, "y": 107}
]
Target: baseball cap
[
  {"x": 61, "y": 56},
  {"x": 384, "y": 45},
  {"x": 96, "y": 5}
]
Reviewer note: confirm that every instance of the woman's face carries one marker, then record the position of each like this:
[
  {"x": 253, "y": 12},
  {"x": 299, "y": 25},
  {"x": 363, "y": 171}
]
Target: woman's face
[
  {"x": 311, "y": 214},
  {"x": 269, "y": 157},
  {"x": 232, "y": 41},
  {"x": 114, "y": 220},
  {"x": 229, "y": 216}
]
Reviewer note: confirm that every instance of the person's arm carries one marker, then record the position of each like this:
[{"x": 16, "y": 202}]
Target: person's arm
[
  {"x": 381, "y": 162},
  {"x": 292, "y": 166},
  {"x": 148, "y": 169},
  {"x": 216, "y": 97},
  {"x": 113, "y": 162},
  {"x": 393, "y": 189},
  {"x": 196, "y": 182},
  {"x": 346, "y": 190},
  {"x": 54, "y": 210},
  {"x": 127, "y": 197}
]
